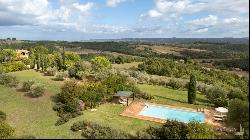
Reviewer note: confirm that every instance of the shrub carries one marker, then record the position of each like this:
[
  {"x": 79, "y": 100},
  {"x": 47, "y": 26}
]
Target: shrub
[
  {"x": 16, "y": 66},
  {"x": 51, "y": 71},
  {"x": 175, "y": 84},
  {"x": 169, "y": 130},
  {"x": 60, "y": 76},
  {"x": 62, "y": 120},
  {"x": 27, "y": 85},
  {"x": 215, "y": 92},
  {"x": 144, "y": 95},
  {"x": 81, "y": 75},
  {"x": 8, "y": 80},
  {"x": 238, "y": 113},
  {"x": 6, "y": 131},
  {"x": 96, "y": 131},
  {"x": 36, "y": 90},
  {"x": 78, "y": 126},
  {"x": 236, "y": 93},
  {"x": 200, "y": 131},
  {"x": 27, "y": 137},
  {"x": 220, "y": 102},
  {"x": 2, "y": 116}
]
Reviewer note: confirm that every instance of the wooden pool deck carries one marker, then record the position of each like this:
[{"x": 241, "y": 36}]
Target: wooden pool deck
[{"x": 136, "y": 107}]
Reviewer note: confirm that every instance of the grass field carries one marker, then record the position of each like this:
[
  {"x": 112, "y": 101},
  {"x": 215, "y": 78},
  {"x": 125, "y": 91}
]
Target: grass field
[
  {"x": 35, "y": 116},
  {"x": 126, "y": 65},
  {"x": 31, "y": 116},
  {"x": 168, "y": 96}
]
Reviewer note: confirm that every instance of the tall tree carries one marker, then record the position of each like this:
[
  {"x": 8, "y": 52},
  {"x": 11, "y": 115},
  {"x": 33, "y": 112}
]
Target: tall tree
[
  {"x": 63, "y": 58},
  {"x": 192, "y": 90}
]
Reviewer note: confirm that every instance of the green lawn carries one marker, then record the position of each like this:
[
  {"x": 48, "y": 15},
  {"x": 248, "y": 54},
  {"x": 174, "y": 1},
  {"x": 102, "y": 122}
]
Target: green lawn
[
  {"x": 168, "y": 96},
  {"x": 35, "y": 116}
]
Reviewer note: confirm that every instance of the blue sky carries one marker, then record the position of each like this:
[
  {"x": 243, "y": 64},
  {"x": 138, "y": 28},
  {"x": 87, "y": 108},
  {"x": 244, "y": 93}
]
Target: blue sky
[{"x": 105, "y": 19}]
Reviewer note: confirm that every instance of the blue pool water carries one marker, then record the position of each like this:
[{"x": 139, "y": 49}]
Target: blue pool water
[{"x": 167, "y": 113}]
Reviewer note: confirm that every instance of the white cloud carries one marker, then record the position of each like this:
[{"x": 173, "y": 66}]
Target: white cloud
[
  {"x": 202, "y": 30},
  {"x": 207, "y": 21},
  {"x": 114, "y": 3},
  {"x": 154, "y": 13}
]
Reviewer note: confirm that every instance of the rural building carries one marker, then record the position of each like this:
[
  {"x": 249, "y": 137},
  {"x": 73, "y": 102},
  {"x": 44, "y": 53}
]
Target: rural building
[{"x": 23, "y": 53}]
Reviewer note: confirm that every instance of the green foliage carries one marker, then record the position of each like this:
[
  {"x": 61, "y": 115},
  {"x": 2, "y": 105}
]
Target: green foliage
[
  {"x": 2, "y": 116},
  {"x": 179, "y": 130},
  {"x": 100, "y": 63},
  {"x": 93, "y": 94},
  {"x": 169, "y": 130},
  {"x": 175, "y": 84},
  {"x": 71, "y": 59},
  {"x": 60, "y": 76},
  {"x": 215, "y": 92},
  {"x": 117, "y": 82},
  {"x": 168, "y": 67},
  {"x": 15, "y": 66},
  {"x": 8, "y": 80},
  {"x": 40, "y": 53},
  {"x": 27, "y": 85},
  {"x": 51, "y": 71},
  {"x": 238, "y": 113},
  {"x": 200, "y": 131},
  {"x": 69, "y": 91},
  {"x": 36, "y": 90},
  {"x": 236, "y": 93},
  {"x": 192, "y": 90},
  {"x": 6, "y": 131},
  {"x": 96, "y": 131},
  {"x": 78, "y": 126},
  {"x": 7, "y": 55},
  {"x": 76, "y": 68},
  {"x": 27, "y": 137},
  {"x": 220, "y": 102}
]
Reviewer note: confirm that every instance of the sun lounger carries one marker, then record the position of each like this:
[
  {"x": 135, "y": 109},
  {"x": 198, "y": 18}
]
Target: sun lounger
[
  {"x": 219, "y": 116},
  {"x": 218, "y": 119}
]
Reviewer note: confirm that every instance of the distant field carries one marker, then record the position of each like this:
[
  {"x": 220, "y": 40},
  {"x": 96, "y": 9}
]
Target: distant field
[
  {"x": 126, "y": 65},
  {"x": 168, "y": 49}
]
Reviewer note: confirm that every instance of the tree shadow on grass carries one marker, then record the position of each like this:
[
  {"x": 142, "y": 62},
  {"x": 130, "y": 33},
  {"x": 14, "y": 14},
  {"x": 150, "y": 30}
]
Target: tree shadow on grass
[{"x": 169, "y": 99}]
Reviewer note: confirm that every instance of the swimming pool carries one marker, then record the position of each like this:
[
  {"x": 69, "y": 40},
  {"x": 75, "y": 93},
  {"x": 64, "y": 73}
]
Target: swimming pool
[{"x": 167, "y": 113}]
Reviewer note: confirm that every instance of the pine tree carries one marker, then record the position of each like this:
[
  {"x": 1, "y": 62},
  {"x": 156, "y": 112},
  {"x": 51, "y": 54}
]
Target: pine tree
[{"x": 192, "y": 90}]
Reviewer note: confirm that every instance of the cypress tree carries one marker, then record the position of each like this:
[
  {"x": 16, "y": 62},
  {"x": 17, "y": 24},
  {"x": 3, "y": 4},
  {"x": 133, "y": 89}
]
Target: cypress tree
[
  {"x": 192, "y": 90},
  {"x": 63, "y": 58}
]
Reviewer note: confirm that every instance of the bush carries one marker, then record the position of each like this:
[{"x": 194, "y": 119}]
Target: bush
[
  {"x": 215, "y": 92},
  {"x": 175, "y": 84},
  {"x": 16, "y": 66},
  {"x": 27, "y": 85},
  {"x": 96, "y": 131},
  {"x": 62, "y": 120},
  {"x": 169, "y": 130},
  {"x": 27, "y": 137},
  {"x": 36, "y": 90},
  {"x": 51, "y": 71},
  {"x": 144, "y": 95},
  {"x": 2, "y": 116},
  {"x": 236, "y": 93},
  {"x": 200, "y": 131},
  {"x": 60, "y": 76},
  {"x": 6, "y": 131},
  {"x": 8, "y": 80},
  {"x": 78, "y": 126},
  {"x": 238, "y": 113},
  {"x": 220, "y": 102}
]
